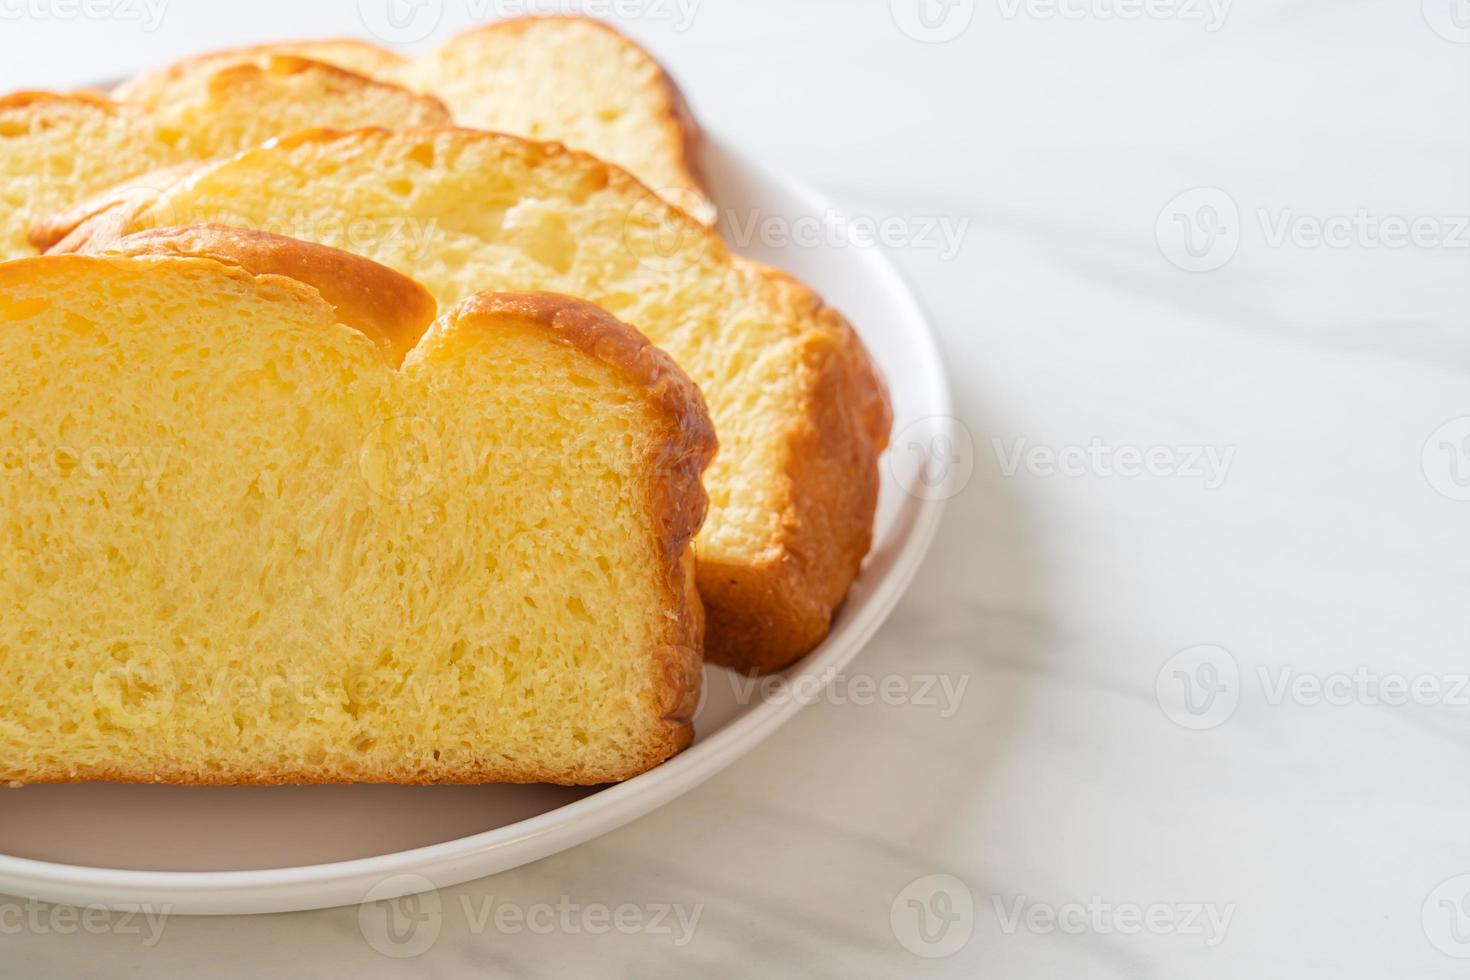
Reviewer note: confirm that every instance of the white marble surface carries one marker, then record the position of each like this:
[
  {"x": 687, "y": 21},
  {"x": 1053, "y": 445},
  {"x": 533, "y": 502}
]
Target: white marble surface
[{"x": 1303, "y": 835}]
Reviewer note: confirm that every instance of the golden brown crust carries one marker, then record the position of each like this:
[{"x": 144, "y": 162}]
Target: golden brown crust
[
  {"x": 140, "y": 85},
  {"x": 691, "y": 141},
  {"x": 27, "y": 99},
  {"x": 296, "y": 775},
  {"x": 391, "y": 309},
  {"x": 288, "y": 775},
  {"x": 763, "y": 617},
  {"x": 679, "y": 119},
  {"x": 677, "y": 497},
  {"x": 234, "y": 74},
  {"x": 593, "y": 330},
  {"x": 21, "y": 269}
]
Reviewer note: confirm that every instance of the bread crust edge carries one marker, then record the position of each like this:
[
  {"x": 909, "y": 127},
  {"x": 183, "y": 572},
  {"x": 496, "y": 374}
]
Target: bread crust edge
[
  {"x": 830, "y": 462},
  {"x": 127, "y": 92},
  {"x": 391, "y": 309},
  {"x": 679, "y": 121}
]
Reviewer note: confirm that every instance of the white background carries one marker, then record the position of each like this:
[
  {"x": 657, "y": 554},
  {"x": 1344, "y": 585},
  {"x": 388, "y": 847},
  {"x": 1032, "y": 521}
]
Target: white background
[{"x": 1052, "y": 139}]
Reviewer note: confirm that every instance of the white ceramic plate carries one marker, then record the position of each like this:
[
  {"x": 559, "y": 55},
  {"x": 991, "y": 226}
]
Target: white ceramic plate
[{"x": 232, "y": 851}]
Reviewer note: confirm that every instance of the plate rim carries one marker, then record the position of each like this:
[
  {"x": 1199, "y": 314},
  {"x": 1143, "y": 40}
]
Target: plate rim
[{"x": 443, "y": 864}]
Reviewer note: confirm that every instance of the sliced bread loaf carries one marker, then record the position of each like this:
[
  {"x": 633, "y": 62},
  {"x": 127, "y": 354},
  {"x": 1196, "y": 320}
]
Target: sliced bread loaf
[
  {"x": 244, "y": 548},
  {"x": 572, "y": 80},
  {"x": 55, "y": 148},
  {"x": 801, "y": 414}
]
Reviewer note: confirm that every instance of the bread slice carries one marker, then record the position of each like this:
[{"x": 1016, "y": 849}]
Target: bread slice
[
  {"x": 567, "y": 79},
  {"x": 243, "y": 547},
  {"x": 55, "y": 148},
  {"x": 800, "y": 411},
  {"x": 575, "y": 81}
]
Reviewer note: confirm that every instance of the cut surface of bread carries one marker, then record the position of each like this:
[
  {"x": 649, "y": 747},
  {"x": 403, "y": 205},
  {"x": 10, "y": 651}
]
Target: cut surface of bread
[
  {"x": 575, "y": 81},
  {"x": 244, "y": 548},
  {"x": 57, "y": 148},
  {"x": 801, "y": 414},
  {"x": 567, "y": 79}
]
